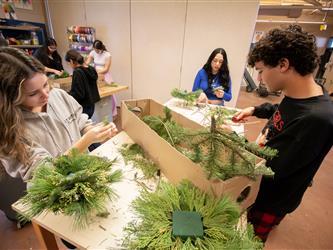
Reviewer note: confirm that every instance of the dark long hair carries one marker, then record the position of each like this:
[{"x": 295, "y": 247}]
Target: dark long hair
[
  {"x": 51, "y": 42},
  {"x": 42, "y": 55},
  {"x": 98, "y": 44},
  {"x": 223, "y": 73},
  {"x": 74, "y": 56}
]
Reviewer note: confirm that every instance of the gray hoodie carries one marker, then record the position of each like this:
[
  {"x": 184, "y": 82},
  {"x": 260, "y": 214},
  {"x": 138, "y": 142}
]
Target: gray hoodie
[{"x": 52, "y": 132}]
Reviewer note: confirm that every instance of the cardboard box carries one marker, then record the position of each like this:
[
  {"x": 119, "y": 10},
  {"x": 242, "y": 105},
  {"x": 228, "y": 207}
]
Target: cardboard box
[{"x": 174, "y": 165}]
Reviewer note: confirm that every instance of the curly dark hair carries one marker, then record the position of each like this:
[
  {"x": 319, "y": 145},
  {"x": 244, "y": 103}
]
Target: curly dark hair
[{"x": 292, "y": 43}]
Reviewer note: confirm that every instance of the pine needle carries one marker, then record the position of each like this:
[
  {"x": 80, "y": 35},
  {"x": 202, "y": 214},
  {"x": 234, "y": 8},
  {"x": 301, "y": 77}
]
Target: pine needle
[
  {"x": 190, "y": 98},
  {"x": 134, "y": 153},
  {"x": 76, "y": 185},
  {"x": 153, "y": 229},
  {"x": 223, "y": 155}
]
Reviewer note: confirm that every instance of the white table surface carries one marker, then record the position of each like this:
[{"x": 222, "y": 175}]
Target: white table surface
[
  {"x": 198, "y": 114},
  {"x": 102, "y": 233}
]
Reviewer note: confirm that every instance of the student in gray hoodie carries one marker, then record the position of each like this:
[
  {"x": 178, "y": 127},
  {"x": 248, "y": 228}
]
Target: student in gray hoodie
[{"x": 37, "y": 121}]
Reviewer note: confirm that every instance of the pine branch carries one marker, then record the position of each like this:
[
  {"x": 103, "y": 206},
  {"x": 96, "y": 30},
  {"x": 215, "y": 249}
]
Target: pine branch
[
  {"x": 220, "y": 114},
  {"x": 153, "y": 229},
  {"x": 166, "y": 128},
  {"x": 76, "y": 185},
  {"x": 208, "y": 148},
  {"x": 135, "y": 154},
  {"x": 265, "y": 152},
  {"x": 190, "y": 98}
]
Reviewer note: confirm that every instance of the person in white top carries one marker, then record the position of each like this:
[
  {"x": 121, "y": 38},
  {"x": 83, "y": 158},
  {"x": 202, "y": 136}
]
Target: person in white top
[{"x": 101, "y": 59}]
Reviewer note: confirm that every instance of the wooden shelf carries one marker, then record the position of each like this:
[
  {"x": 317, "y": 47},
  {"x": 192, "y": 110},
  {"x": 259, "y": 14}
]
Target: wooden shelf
[
  {"x": 27, "y": 28},
  {"x": 26, "y": 46}
]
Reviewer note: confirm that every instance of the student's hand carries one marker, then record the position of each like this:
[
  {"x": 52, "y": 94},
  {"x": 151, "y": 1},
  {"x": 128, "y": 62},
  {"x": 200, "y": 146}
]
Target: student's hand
[
  {"x": 241, "y": 115},
  {"x": 202, "y": 98},
  {"x": 100, "y": 132},
  {"x": 262, "y": 139},
  {"x": 57, "y": 72},
  {"x": 219, "y": 93},
  {"x": 114, "y": 130}
]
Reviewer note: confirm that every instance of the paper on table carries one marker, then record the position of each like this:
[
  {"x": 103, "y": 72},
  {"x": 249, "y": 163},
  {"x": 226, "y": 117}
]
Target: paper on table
[{"x": 197, "y": 114}]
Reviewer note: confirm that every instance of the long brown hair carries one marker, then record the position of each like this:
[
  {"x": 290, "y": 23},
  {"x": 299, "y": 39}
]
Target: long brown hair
[{"x": 15, "y": 68}]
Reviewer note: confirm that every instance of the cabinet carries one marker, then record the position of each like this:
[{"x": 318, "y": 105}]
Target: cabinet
[{"x": 20, "y": 34}]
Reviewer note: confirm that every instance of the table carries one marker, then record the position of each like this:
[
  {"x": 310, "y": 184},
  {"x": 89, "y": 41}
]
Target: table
[
  {"x": 198, "y": 114},
  {"x": 107, "y": 90},
  {"x": 102, "y": 233},
  {"x": 104, "y": 89}
]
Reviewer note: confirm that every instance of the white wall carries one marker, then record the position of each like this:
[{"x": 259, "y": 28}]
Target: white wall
[
  {"x": 65, "y": 14},
  {"x": 112, "y": 22},
  {"x": 157, "y": 39},
  {"x": 159, "y": 45},
  {"x": 225, "y": 24}
]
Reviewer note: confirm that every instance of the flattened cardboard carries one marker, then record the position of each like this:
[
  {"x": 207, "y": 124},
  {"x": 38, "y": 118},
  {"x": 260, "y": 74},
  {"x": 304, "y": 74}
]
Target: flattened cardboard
[{"x": 174, "y": 165}]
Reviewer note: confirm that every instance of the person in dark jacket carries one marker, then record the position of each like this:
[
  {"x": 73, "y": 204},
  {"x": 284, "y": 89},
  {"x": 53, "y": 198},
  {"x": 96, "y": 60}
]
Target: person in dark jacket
[
  {"x": 84, "y": 82},
  {"x": 49, "y": 57},
  {"x": 300, "y": 127}
]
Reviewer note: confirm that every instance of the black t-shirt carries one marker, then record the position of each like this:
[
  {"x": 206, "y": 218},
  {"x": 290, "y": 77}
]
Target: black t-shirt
[{"x": 302, "y": 131}]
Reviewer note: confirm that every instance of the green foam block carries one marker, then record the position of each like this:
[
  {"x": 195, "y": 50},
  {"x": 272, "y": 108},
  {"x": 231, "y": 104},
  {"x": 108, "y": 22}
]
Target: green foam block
[{"x": 187, "y": 224}]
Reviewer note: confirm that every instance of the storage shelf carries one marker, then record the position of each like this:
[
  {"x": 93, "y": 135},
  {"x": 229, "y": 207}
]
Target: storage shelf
[
  {"x": 26, "y": 46},
  {"x": 27, "y": 28},
  {"x": 80, "y": 43}
]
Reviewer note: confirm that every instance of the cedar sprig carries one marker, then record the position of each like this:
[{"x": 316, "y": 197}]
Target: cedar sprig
[
  {"x": 133, "y": 153},
  {"x": 76, "y": 185},
  {"x": 153, "y": 228}
]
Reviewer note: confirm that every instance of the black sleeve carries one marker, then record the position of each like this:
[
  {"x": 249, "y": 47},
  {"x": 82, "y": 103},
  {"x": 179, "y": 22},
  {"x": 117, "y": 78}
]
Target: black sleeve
[
  {"x": 265, "y": 110},
  {"x": 58, "y": 62},
  {"x": 77, "y": 89},
  {"x": 301, "y": 147}
]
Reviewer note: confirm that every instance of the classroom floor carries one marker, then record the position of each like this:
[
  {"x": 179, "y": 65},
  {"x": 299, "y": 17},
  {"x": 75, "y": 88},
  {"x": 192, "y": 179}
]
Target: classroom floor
[{"x": 309, "y": 227}]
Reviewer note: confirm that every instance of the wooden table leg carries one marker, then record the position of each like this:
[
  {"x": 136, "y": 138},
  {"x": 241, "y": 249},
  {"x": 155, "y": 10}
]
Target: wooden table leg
[{"x": 46, "y": 239}]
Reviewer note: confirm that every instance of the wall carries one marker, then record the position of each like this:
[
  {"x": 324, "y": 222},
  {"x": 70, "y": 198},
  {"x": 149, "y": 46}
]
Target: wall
[
  {"x": 322, "y": 36},
  {"x": 159, "y": 45},
  {"x": 37, "y": 14},
  {"x": 210, "y": 26},
  {"x": 157, "y": 40}
]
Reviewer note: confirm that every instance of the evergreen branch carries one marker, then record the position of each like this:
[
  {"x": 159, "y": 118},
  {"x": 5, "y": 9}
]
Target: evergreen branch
[
  {"x": 135, "y": 154},
  {"x": 153, "y": 229},
  {"x": 265, "y": 152},
  {"x": 76, "y": 185},
  {"x": 189, "y": 97},
  {"x": 221, "y": 154}
]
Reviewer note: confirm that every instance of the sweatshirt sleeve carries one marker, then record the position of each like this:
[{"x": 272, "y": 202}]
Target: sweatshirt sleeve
[
  {"x": 77, "y": 89},
  {"x": 295, "y": 148},
  {"x": 228, "y": 95},
  {"x": 265, "y": 110},
  {"x": 18, "y": 170},
  {"x": 82, "y": 119},
  {"x": 196, "y": 84}
]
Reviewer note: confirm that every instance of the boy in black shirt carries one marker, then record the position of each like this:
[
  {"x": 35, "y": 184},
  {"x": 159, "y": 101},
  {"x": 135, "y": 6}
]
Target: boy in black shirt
[{"x": 300, "y": 127}]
